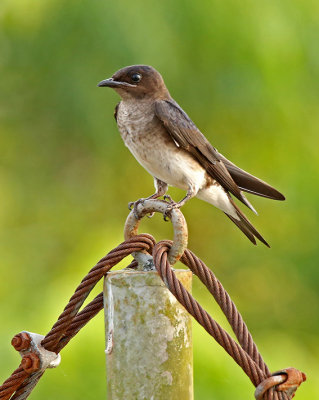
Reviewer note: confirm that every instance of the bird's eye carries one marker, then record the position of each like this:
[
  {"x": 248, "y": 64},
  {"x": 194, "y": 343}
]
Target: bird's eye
[{"x": 136, "y": 77}]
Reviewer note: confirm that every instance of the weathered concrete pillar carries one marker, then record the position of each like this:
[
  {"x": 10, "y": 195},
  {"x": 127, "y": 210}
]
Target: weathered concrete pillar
[{"x": 148, "y": 338}]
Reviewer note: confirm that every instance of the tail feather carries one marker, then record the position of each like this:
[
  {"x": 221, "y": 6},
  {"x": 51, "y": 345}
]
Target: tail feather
[
  {"x": 250, "y": 183},
  {"x": 245, "y": 226}
]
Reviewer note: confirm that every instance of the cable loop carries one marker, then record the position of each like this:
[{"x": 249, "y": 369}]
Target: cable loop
[{"x": 287, "y": 380}]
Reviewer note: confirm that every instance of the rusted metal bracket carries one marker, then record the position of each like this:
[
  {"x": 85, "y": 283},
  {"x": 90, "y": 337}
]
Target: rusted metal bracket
[
  {"x": 180, "y": 240},
  {"x": 287, "y": 380},
  {"x": 34, "y": 356},
  {"x": 35, "y": 360}
]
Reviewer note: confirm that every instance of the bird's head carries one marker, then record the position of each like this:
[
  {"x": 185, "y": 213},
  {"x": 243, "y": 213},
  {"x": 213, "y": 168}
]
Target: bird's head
[{"x": 137, "y": 81}]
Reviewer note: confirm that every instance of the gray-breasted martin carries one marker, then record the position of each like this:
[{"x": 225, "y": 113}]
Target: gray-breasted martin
[{"x": 167, "y": 143}]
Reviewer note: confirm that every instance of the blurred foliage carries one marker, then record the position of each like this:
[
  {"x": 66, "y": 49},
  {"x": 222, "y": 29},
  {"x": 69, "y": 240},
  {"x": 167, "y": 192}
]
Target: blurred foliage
[{"x": 247, "y": 74}]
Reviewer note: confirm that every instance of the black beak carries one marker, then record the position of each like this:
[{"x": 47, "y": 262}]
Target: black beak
[{"x": 114, "y": 84}]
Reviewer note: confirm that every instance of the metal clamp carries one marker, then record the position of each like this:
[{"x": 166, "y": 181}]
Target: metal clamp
[
  {"x": 34, "y": 356},
  {"x": 287, "y": 380},
  {"x": 179, "y": 225}
]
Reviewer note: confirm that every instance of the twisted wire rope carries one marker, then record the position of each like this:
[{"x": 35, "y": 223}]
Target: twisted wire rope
[
  {"x": 245, "y": 353},
  {"x": 137, "y": 243},
  {"x": 20, "y": 384}
]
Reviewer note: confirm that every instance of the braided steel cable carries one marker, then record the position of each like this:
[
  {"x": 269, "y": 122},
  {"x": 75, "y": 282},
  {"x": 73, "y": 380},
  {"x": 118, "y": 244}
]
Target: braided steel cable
[
  {"x": 226, "y": 304},
  {"x": 21, "y": 382},
  {"x": 10, "y": 385},
  {"x": 163, "y": 267},
  {"x": 81, "y": 319},
  {"x": 244, "y": 354},
  {"x": 28, "y": 385},
  {"x": 137, "y": 243}
]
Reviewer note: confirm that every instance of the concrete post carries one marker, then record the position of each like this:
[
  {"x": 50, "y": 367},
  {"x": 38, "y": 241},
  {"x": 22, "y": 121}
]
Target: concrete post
[{"x": 149, "y": 339}]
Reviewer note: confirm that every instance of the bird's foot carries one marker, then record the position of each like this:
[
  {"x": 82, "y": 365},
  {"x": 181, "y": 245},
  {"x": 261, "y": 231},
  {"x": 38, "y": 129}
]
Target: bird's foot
[
  {"x": 168, "y": 198},
  {"x": 171, "y": 206},
  {"x": 133, "y": 205}
]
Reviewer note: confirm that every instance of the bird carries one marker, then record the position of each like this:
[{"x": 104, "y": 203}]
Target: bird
[{"x": 168, "y": 144}]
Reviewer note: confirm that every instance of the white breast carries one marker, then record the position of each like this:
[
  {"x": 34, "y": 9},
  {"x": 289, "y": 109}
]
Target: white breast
[{"x": 154, "y": 148}]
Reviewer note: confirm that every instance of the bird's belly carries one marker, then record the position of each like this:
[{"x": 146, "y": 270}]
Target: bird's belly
[
  {"x": 176, "y": 168},
  {"x": 159, "y": 155}
]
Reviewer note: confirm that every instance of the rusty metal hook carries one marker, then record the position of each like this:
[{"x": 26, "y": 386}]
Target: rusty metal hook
[{"x": 179, "y": 225}]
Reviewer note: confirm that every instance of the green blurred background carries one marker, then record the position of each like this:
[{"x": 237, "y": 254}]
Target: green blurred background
[{"x": 247, "y": 74}]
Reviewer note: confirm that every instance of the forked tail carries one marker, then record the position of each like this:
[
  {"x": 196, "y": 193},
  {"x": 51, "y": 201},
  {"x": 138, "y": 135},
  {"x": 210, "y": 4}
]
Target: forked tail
[{"x": 245, "y": 226}]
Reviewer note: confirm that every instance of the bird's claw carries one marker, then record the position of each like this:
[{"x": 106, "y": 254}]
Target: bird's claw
[
  {"x": 167, "y": 215},
  {"x": 133, "y": 205},
  {"x": 169, "y": 209},
  {"x": 168, "y": 198}
]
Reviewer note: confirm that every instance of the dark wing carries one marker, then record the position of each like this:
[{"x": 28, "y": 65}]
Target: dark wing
[
  {"x": 250, "y": 183},
  {"x": 187, "y": 136},
  {"x": 116, "y": 110}
]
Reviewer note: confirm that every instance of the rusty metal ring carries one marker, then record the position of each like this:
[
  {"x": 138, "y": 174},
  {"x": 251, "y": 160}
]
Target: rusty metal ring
[
  {"x": 287, "y": 380},
  {"x": 175, "y": 215},
  {"x": 267, "y": 384}
]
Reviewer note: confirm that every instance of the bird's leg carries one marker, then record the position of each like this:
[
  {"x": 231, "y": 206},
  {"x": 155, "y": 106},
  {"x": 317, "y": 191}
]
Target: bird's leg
[
  {"x": 191, "y": 192},
  {"x": 161, "y": 188},
  {"x": 168, "y": 198}
]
